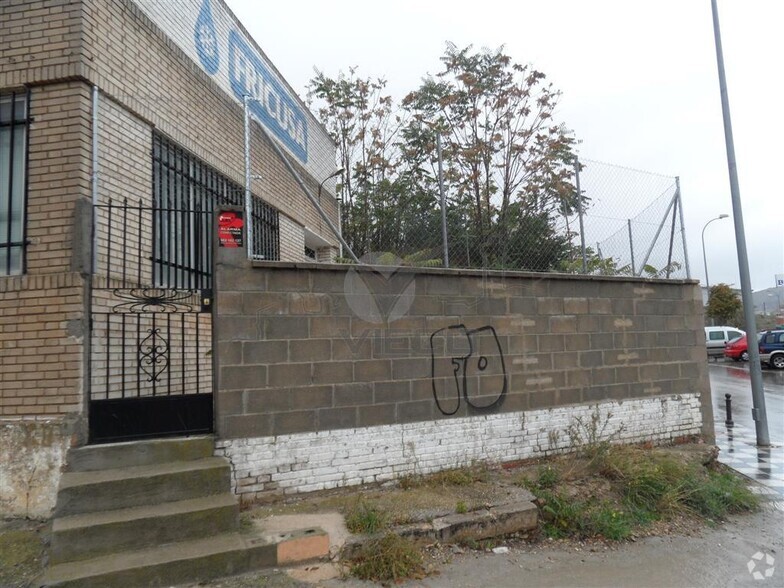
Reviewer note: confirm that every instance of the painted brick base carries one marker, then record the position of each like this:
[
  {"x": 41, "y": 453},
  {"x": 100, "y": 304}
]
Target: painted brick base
[{"x": 305, "y": 462}]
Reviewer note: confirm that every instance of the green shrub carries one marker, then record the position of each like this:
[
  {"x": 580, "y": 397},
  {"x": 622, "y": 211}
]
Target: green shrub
[{"x": 388, "y": 559}]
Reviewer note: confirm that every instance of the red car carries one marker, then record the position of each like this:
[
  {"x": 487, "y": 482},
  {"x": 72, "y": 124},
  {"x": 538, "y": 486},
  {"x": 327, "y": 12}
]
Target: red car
[{"x": 737, "y": 349}]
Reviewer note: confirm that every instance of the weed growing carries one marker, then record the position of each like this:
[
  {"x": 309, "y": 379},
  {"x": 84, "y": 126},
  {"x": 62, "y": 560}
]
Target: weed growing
[
  {"x": 461, "y": 507},
  {"x": 455, "y": 477},
  {"x": 388, "y": 559},
  {"x": 664, "y": 485},
  {"x": 549, "y": 476},
  {"x": 366, "y": 518},
  {"x": 649, "y": 485}
]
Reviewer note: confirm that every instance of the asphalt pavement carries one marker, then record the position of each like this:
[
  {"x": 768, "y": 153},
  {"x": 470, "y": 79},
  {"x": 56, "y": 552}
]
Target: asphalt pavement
[{"x": 738, "y": 442}]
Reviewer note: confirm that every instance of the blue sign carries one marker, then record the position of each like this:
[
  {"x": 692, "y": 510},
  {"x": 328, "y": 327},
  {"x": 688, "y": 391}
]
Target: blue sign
[
  {"x": 271, "y": 104},
  {"x": 206, "y": 39}
]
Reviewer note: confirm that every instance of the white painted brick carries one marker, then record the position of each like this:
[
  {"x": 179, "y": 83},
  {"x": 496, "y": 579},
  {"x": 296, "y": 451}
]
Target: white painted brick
[{"x": 329, "y": 459}]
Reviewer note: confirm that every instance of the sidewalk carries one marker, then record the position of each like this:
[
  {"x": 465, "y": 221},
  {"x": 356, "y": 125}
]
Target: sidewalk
[
  {"x": 765, "y": 465},
  {"x": 717, "y": 557}
]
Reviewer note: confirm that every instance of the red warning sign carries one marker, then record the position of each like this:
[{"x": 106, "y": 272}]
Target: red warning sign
[{"x": 230, "y": 225}]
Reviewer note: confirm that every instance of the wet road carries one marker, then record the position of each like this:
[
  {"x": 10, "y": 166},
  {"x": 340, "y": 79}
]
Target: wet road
[
  {"x": 733, "y": 378},
  {"x": 738, "y": 443}
]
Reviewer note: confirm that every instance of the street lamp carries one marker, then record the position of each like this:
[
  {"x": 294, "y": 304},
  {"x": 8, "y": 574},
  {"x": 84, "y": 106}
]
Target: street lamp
[
  {"x": 334, "y": 174},
  {"x": 704, "y": 258}
]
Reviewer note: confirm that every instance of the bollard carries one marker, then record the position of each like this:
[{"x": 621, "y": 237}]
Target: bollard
[{"x": 728, "y": 400}]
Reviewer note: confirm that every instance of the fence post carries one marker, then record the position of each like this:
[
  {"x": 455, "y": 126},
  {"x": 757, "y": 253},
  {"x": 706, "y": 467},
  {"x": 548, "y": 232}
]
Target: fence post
[
  {"x": 580, "y": 212},
  {"x": 672, "y": 238},
  {"x": 443, "y": 197},
  {"x": 631, "y": 243},
  {"x": 683, "y": 227}
]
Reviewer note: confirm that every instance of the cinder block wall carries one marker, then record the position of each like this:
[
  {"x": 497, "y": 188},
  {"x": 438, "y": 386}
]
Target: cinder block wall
[{"x": 312, "y": 356}]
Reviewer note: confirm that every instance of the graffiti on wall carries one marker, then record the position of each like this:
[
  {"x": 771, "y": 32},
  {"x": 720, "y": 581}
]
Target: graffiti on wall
[{"x": 467, "y": 365}]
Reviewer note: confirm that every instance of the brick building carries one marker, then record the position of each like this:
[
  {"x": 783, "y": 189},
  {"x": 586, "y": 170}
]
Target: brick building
[
  {"x": 121, "y": 131},
  {"x": 122, "y": 134}
]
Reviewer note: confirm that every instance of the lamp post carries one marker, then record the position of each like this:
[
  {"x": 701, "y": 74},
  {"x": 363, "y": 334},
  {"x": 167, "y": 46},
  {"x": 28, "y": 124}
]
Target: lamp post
[
  {"x": 759, "y": 412},
  {"x": 334, "y": 174},
  {"x": 704, "y": 257}
]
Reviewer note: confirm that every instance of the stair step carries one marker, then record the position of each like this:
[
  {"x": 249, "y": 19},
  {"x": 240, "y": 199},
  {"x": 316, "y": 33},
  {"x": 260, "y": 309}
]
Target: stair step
[
  {"x": 202, "y": 559},
  {"x": 139, "y": 453},
  {"x": 90, "y": 535},
  {"x": 93, "y": 491}
]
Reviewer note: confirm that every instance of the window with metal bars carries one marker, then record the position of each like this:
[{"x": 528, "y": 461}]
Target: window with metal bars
[
  {"x": 14, "y": 108},
  {"x": 186, "y": 192}
]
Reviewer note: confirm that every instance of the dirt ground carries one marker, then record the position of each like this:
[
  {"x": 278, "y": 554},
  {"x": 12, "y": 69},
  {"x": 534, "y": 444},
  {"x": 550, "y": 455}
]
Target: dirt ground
[
  {"x": 22, "y": 551},
  {"x": 677, "y": 551}
]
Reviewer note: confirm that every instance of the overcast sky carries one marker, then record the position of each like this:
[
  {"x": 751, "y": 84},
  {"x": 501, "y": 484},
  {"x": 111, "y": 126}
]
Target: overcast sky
[{"x": 639, "y": 82}]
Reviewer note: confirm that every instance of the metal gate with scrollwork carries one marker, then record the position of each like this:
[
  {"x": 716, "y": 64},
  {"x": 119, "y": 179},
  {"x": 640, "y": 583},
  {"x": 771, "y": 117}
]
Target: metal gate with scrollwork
[{"x": 151, "y": 329}]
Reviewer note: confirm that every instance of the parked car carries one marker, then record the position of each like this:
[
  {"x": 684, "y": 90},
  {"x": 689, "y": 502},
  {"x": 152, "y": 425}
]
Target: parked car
[
  {"x": 771, "y": 348},
  {"x": 717, "y": 337},
  {"x": 737, "y": 349}
]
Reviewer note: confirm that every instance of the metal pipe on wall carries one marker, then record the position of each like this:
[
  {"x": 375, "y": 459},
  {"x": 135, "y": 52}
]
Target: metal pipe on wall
[
  {"x": 248, "y": 195},
  {"x": 297, "y": 178},
  {"x": 94, "y": 180}
]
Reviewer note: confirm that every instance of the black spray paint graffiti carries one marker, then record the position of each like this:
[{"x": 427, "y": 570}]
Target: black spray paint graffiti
[{"x": 467, "y": 364}]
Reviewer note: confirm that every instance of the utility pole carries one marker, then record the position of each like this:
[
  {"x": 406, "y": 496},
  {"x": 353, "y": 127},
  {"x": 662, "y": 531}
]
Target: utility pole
[{"x": 758, "y": 413}]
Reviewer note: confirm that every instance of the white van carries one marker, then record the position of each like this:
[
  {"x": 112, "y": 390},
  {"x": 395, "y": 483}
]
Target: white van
[{"x": 717, "y": 337}]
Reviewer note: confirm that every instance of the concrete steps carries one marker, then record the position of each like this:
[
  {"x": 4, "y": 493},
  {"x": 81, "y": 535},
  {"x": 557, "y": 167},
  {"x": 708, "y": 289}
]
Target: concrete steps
[
  {"x": 94, "y": 534},
  {"x": 82, "y": 492},
  {"x": 157, "y": 513},
  {"x": 164, "y": 565}
]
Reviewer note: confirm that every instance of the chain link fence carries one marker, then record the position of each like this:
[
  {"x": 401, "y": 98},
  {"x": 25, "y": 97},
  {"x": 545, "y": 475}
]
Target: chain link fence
[{"x": 628, "y": 222}]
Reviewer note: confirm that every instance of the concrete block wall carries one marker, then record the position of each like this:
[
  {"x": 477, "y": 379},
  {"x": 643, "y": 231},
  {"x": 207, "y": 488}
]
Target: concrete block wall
[{"x": 304, "y": 350}]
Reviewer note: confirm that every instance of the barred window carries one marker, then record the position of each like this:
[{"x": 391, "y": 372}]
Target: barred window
[
  {"x": 186, "y": 192},
  {"x": 14, "y": 107}
]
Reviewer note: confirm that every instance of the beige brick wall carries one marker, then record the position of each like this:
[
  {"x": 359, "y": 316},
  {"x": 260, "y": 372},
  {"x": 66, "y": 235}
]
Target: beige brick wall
[
  {"x": 41, "y": 337},
  {"x": 59, "y": 172},
  {"x": 134, "y": 64},
  {"x": 39, "y": 40},
  {"x": 42, "y": 317},
  {"x": 61, "y": 48}
]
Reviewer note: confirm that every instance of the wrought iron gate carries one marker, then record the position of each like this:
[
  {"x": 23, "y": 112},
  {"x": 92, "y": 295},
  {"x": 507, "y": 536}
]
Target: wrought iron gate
[{"x": 151, "y": 329}]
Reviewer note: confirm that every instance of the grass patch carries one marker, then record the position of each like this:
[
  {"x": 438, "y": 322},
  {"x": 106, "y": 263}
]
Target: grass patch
[
  {"x": 567, "y": 517},
  {"x": 366, "y": 518},
  {"x": 455, "y": 477},
  {"x": 645, "y": 486},
  {"x": 20, "y": 557},
  {"x": 461, "y": 507},
  {"x": 388, "y": 559},
  {"x": 664, "y": 485}
]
